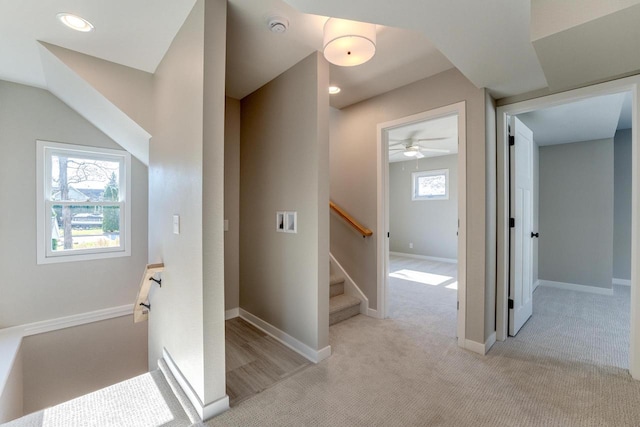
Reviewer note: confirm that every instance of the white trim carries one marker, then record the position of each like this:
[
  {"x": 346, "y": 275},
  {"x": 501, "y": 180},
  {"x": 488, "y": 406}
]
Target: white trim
[
  {"x": 205, "y": 412},
  {"x": 382, "y": 224},
  {"x": 576, "y": 287},
  {"x": 232, "y": 313},
  {"x": 44, "y": 253},
  {"x": 350, "y": 286},
  {"x": 294, "y": 344},
  {"x": 480, "y": 348},
  {"x": 76, "y": 320},
  {"x": 10, "y": 343},
  {"x": 621, "y": 282},
  {"x": 428, "y": 258},
  {"x": 373, "y": 313},
  {"x": 536, "y": 284}
]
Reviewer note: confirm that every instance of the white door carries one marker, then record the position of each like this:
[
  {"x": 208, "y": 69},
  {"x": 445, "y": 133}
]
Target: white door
[{"x": 521, "y": 280}]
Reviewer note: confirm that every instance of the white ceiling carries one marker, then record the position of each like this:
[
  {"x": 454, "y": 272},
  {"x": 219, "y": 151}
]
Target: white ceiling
[
  {"x": 138, "y": 38},
  {"x": 255, "y": 55},
  {"x": 585, "y": 120},
  {"x": 441, "y": 127},
  {"x": 488, "y": 41}
]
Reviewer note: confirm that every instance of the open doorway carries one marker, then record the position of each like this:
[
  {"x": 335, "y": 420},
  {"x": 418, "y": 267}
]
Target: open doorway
[
  {"x": 423, "y": 223},
  {"x": 566, "y": 215},
  {"x": 421, "y": 183}
]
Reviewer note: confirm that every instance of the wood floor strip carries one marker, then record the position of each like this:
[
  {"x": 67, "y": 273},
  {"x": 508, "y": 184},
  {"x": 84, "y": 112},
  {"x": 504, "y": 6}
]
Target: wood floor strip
[{"x": 255, "y": 361}]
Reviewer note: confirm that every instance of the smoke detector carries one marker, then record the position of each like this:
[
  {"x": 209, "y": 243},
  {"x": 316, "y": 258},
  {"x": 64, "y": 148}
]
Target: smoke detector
[{"x": 278, "y": 24}]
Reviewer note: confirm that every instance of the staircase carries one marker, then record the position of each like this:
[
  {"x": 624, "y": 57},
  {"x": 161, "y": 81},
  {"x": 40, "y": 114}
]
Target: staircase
[{"x": 341, "y": 305}]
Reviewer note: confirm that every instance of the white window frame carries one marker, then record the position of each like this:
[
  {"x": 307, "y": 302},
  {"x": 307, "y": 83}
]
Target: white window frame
[
  {"x": 44, "y": 152},
  {"x": 414, "y": 184}
]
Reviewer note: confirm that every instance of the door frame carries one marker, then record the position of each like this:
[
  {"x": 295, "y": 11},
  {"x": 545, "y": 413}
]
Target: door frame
[
  {"x": 629, "y": 84},
  {"x": 382, "y": 240}
]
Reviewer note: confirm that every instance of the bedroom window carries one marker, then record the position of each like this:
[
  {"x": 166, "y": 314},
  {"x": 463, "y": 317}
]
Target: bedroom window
[
  {"x": 84, "y": 211},
  {"x": 430, "y": 185}
]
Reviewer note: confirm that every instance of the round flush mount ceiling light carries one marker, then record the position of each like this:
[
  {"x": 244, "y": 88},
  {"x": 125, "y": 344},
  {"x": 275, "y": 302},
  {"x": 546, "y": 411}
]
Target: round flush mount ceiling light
[
  {"x": 348, "y": 43},
  {"x": 75, "y": 22},
  {"x": 334, "y": 89}
]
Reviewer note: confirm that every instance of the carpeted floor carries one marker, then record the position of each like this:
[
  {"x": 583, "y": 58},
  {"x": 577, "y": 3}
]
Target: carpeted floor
[
  {"x": 407, "y": 371},
  {"x": 143, "y": 401}
]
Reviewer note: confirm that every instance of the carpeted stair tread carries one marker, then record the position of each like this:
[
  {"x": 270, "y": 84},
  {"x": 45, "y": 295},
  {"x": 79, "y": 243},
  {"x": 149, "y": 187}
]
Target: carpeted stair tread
[
  {"x": 342, "y": 307},
  {"x": 336, "y": 280}
]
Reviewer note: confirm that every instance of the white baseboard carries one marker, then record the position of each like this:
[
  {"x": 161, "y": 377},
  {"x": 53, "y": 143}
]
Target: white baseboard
[
  {"x": 76, "y": 320},
  {"x": 480, "y": 348},
  {"x": 350, "y": 287},
  {"x": 536, "y": 284},
  {"x": 294, "y": 344},
  {"x": 232, "y": 314},
  {"x": 373, "y": 313},
  {"x": 204, "y": 411},
  {"x": 623, "y": 282},
  {"x": 429, "y": 258},
  {"x": 576, "y": 287}
]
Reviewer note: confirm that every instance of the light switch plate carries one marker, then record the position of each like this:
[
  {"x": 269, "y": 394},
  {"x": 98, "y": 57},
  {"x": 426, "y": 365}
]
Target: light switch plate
[
  {"x": 176, "y": 224},
  {"x": 226, "y": 225}
]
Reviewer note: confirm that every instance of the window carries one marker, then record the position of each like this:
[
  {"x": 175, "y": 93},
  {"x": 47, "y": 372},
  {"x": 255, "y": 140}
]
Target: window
[
  {"x": 430, "y": 185},
  {"x": 84, "y": 211}
]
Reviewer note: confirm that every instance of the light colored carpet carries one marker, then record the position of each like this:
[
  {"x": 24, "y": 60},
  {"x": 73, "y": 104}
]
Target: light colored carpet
[
  {"x": 407, "y": 372},
  {"x": 143, "y": 401}
]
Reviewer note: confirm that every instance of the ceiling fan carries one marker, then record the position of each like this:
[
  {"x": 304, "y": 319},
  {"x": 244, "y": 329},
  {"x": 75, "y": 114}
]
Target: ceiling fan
[{"x": 412, "y": 147}]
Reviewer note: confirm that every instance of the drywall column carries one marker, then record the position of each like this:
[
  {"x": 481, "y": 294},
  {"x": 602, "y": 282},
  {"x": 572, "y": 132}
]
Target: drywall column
[
  {"x": 284, "y": 277},
  {"x": 232, "y": 203},
  {"x": 215, "y": 42},
  {"x": 186, "y": 180},
  {"x": 576, "y": 213}
]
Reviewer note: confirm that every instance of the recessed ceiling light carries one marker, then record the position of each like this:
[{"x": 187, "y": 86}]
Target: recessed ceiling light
[
  {"x": 75, "y": 22},
  {"x": 334, "y": 89}
]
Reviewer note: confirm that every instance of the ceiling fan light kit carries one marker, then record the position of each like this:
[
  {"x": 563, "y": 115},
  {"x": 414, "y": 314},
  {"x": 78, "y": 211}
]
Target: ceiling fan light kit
[{"x": 348, "y": 43}]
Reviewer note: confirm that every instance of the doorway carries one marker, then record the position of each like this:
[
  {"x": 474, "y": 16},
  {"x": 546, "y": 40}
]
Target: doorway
[
  {"x": 399, "y": 136},
  {"x": 558, "y": 275}
]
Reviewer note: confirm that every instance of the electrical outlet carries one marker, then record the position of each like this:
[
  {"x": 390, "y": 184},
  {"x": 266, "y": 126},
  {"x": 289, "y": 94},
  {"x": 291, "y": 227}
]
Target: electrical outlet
[{"x": 410, "y": 245}]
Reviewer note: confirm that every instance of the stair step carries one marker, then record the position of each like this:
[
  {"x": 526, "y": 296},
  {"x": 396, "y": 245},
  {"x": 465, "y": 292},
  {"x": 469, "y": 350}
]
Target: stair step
[
  {"x": 336, "y": 286},
  {"x": 342, "y": 307}
]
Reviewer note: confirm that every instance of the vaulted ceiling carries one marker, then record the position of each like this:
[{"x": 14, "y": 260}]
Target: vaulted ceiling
[{"x": 510, "y": 47}]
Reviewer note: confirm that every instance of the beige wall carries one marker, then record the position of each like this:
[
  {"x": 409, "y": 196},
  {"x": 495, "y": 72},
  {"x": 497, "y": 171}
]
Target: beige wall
[
  {"x": 215, "y": 42},
  {"x": 232, "y": 204},
  {"x": 128, "y": 89},
  {"x": 175, "y": 188},
  {"x": 353, "y": 183},
  {"x": 430, "y": 225},
  {"x": 32, "y": 292},
  {"x": 284, "y": 278},
  {"x": 71, "y": 362},
  {"x": 186, "y": 179}
]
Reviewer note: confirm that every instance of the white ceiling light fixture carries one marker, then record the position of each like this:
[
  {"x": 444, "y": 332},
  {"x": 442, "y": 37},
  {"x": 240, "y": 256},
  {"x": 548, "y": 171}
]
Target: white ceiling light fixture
[
  {"x": 75, "y": 22},
  {"x": 348, "y": 43},
  {"x": 334, "y": 89}
]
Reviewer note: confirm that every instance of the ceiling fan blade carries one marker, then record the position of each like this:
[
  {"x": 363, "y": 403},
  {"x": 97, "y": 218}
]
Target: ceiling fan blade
[
  {"x": 432, "y": 139},
  {"x": 397, "y": 143},
  {"x": 397, "y": 149},
  {"x": 435, "y": 150},
  {"x": 419, "y": 155}
]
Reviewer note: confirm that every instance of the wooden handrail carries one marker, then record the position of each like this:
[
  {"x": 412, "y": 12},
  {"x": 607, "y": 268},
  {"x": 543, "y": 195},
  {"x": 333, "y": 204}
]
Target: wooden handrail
[
  {"x": 141, "y": 308},
  {"x": 352, "y": 222}
]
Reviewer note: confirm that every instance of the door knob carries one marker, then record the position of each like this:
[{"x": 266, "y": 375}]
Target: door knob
[{"x": 534, "y": 234}]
